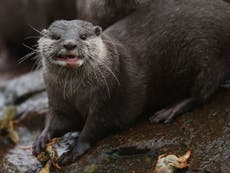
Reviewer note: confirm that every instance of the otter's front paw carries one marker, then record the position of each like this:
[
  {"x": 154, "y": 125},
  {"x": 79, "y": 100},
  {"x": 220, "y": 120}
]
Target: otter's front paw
[
  {"x": 69, "y": 157},
  {"x": 40, "y": 143}
]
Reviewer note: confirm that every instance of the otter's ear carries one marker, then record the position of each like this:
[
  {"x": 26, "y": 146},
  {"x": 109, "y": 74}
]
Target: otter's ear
[
  {"x": 45, "y": 31},
  {"x": 97, "y": 30}
]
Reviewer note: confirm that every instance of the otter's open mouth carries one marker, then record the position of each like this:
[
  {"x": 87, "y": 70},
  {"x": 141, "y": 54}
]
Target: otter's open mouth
[{"x": 71, "y": 60}]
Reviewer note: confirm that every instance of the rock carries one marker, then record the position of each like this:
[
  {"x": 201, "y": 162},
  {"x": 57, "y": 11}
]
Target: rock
[
  {"x": 27, "y": 93},
  {"x": 32, "y": 111},
  {"x": 37, "y": 104},
  {"x": 205, "y": 131},
  {"x": 19, "y": 89},
  {"x": 2, "y": 98},
  {"x": 19, "y": 158},
  {"x": 90, "y": 168}
]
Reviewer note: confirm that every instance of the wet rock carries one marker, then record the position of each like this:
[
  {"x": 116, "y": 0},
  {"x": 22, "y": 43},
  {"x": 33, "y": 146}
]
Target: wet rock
[
  {"x": 37, "y": 104},
  {"x": 205, "y": 131},
  {"x": 17, "y": 90},
  {"x": 27, "y": 93},
  {"x": 2, "y": 97},
  {"x": 196, "y": 171},
  {"x": 66, "y": 141},
  {"x": 32, "y": 112},
  {"x": 128, "y": 151},
  {"x": 19, "y": 159}
]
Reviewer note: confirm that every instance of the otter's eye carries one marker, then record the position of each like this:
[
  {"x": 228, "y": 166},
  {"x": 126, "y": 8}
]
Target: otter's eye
[
  {"x": 83, "y": 36},
  {"x": 55, "y": 37}
]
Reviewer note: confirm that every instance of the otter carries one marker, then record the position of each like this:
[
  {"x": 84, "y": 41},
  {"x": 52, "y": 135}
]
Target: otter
[{"x": 159, "y": 62}]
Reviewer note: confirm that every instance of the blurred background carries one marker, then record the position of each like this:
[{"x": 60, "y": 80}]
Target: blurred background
[
  {"x": 20, "y": 24},
  {"x": 20, "y": 21}
]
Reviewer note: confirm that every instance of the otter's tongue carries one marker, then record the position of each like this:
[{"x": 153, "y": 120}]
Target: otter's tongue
[{"x": 68, "y": 59}]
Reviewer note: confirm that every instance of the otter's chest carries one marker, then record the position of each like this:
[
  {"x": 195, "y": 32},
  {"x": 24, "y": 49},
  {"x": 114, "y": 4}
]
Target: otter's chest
[{"x": 82, "y": 100}]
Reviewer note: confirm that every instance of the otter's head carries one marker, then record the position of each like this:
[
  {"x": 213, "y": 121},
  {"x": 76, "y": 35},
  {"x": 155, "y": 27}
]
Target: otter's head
[{"x": 71, "y": 44}]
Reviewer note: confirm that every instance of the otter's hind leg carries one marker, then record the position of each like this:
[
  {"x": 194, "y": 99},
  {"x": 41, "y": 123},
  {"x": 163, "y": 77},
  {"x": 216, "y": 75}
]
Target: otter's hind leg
[
  {"x": 168, "y": 114},
  {"x": 206, "y": 84}
]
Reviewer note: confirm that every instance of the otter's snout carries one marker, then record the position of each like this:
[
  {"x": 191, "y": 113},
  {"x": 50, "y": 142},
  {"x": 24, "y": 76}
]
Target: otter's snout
[{"x": 69, "y": 44}]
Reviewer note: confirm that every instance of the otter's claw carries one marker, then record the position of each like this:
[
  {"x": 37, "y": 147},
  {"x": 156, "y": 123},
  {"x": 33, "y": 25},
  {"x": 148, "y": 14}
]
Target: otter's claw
[
  {"x": 40, "y": 144},
  {"x": 165, "y": 115}
]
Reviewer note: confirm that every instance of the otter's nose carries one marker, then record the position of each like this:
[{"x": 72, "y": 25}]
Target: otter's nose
[{"x": 69, "y": 44}]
